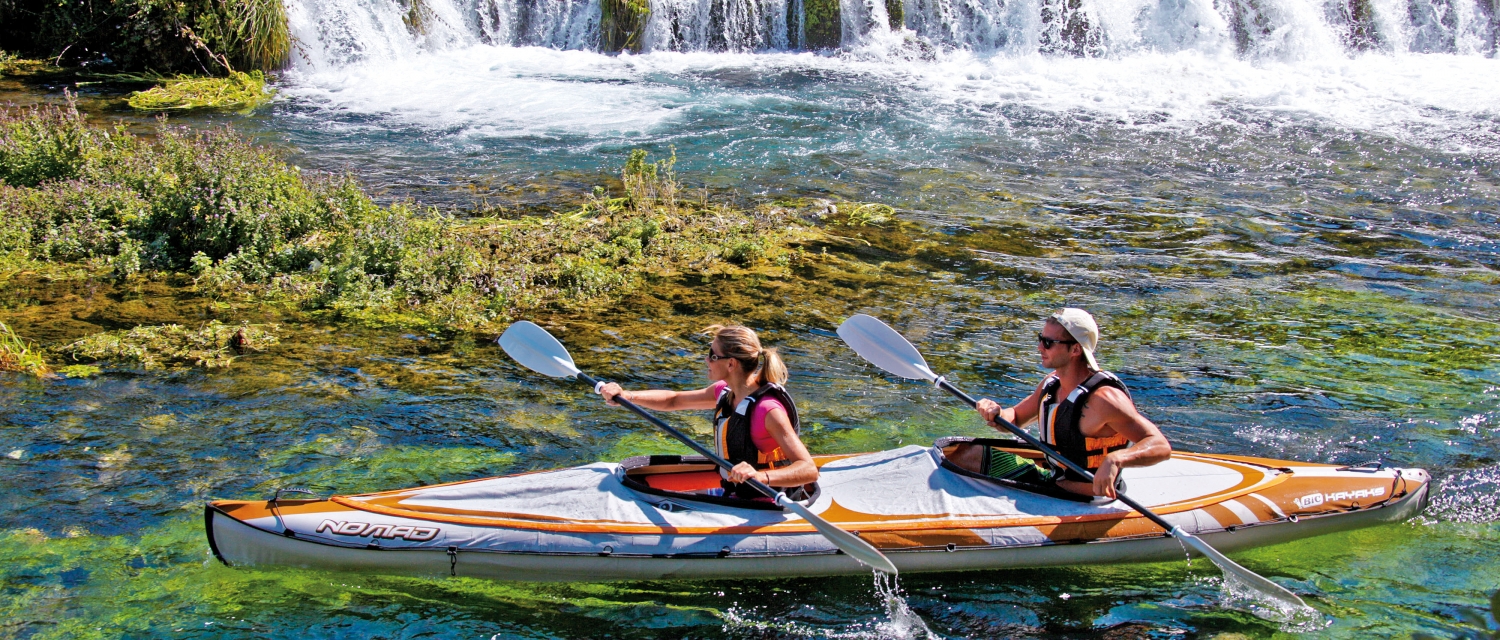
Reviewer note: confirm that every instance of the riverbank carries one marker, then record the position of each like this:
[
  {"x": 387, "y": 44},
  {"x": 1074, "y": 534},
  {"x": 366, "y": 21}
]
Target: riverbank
[{"x": 211, "y": 217}]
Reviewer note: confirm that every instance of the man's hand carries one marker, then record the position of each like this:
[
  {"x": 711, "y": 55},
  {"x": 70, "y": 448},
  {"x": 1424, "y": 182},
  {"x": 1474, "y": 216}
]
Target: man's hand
[
  {"x": 989, "y": 410},
  {"x": 1105, "y": 477}
]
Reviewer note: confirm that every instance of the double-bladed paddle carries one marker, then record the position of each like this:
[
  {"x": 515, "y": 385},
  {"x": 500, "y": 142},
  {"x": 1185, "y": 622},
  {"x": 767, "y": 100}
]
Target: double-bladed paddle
[
  {"x": 876, "y": 342},
  {"x": 537, "y": 350}
]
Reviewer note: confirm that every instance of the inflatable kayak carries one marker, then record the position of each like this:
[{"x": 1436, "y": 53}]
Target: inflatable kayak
[{"x": 654, "y": 517}]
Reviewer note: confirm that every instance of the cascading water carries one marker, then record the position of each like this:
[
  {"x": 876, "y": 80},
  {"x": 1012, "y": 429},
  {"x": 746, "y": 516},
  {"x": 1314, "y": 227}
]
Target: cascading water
[{"x": 337, "y": 32}]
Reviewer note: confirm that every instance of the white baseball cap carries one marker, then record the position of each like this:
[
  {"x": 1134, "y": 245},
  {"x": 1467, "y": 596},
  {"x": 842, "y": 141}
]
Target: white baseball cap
[{"x": 1082, "y": 327}]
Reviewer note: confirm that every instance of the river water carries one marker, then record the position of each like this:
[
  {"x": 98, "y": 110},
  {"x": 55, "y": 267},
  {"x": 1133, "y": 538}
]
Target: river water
[{"x": 1289, "y": 237}]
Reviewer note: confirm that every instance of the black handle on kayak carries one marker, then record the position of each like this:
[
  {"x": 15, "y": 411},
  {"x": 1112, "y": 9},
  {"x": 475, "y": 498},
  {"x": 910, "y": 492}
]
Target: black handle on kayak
[
  {"x": 943, "y": 384},
  {"x": 692, "y": 444}
]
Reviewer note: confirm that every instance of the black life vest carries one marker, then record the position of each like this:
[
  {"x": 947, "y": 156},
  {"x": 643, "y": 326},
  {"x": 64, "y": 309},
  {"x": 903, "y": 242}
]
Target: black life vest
[
  {"x": 733, "y": 441},
  {"x": 1062, "y": 430}
]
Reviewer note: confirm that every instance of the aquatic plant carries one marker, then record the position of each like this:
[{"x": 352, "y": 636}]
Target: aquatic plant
[
  {"x": 18, "y": 355},
  {"x": 213, "y": 345},
  {"x": 239, "y": 91}
]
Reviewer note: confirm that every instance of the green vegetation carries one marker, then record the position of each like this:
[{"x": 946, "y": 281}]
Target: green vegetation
[
  {"x": 242, "y": 221},
  {"x": 202, "y": 36},
  {"x": 18, "y": 355},
  {"x": 237, "y": 92},
  {"x": 154, "y": 347},
  {"x": 1360, "y": 348}
]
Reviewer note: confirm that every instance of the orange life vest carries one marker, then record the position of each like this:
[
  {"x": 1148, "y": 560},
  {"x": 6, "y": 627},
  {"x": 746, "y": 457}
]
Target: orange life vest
[{"x": 1060, "y": 423}]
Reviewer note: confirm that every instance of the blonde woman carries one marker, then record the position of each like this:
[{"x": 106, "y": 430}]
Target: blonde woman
[{"x": 755, "y": 421}]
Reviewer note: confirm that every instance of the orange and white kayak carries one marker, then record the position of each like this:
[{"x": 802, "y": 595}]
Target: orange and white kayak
[{"x": 653, "y": 518}]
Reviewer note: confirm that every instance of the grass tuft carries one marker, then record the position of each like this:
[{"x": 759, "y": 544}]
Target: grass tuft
[
  {"x": 18, "y": 355},
  {"x": 238, "y": 92}
]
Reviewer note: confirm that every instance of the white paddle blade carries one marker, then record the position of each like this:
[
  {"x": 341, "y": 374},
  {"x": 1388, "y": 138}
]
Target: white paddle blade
[
  {"x": 884, "y": 348},
  {"x": 537, "y": 350},
  {"x": 1275, "y": 592},
  {"x": 845, "y": 541}
]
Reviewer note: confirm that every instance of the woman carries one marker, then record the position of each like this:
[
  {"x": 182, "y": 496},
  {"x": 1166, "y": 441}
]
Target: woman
[{"x": 755, "y": 421}]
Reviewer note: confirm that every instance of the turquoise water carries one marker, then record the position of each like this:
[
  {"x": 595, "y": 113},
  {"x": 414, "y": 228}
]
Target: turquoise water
[{"x": 1295, "y": 259}]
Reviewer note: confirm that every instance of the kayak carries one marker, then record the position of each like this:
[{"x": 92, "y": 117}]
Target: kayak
[{"x": 655, "y": 517}]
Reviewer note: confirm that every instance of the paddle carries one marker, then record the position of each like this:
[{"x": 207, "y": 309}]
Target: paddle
[
  {"x": 537, "y": 350},
  {"x": 887, "y": 349}
]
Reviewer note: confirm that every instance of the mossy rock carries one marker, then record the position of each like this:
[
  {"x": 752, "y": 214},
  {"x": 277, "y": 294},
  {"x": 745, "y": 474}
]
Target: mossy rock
[
  {"x": 621, "y": 25},
  {"x": 822, "y": 24},
  {"x": 896, "y": 11},
  {"x": 237, "y": 92}
]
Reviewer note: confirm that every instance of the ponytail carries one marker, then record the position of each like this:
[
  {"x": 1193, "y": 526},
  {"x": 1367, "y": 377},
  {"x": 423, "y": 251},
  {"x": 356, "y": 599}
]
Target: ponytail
[
  {"x": 742, "y": 344},
  {"x": 772, "y": 368}
]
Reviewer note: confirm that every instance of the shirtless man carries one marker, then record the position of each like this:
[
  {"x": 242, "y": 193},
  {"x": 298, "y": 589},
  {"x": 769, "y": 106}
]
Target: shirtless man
[{"x": 1086, "y": 415}]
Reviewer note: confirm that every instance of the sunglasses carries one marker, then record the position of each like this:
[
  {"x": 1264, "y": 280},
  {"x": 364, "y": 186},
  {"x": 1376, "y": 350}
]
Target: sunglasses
[
  {"x": 714, "y": 357},
  {"x": 1048, "y": 342}
]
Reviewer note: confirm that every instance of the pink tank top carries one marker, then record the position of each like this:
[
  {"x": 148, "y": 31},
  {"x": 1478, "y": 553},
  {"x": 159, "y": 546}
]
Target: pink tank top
[{"x": 758, "y": 433}]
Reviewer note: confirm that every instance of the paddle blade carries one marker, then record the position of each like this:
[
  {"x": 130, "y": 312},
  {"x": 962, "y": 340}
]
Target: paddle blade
[
  {"x": 884, "y": 348},
  {"x": 845, "y": 541},
  {"x": 537, "y": 350},
  {"x": 1285, "y": 601}
]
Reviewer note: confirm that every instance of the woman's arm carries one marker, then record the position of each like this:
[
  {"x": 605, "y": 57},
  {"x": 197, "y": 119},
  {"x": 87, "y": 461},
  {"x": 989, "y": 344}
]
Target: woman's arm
[
  {"x": 662, "y": 399},
  {"x": 801, "y": 471}
]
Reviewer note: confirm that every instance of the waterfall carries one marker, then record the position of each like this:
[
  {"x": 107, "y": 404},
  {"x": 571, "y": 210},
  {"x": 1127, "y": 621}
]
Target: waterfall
[
  {"x": 717, "y": 25},
  {"x": 334, "y": 33}
]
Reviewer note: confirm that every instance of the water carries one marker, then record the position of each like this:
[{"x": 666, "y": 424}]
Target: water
[{"x": 1284, "y": 214}]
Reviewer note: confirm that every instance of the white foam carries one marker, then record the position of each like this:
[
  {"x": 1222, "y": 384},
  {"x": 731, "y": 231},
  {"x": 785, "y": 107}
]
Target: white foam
[{"x": 1438, "y": 100}]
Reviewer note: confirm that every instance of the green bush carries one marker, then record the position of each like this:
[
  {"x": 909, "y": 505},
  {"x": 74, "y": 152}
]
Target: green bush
[{"x": 203, "y": 36}]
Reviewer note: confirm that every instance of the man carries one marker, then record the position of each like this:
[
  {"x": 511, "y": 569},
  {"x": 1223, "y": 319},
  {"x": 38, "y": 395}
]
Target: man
[{"x": 1085, "y": 414}]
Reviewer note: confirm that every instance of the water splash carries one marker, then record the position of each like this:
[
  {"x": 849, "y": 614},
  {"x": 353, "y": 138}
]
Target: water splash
[
  {"x": 900, "y": 621},
  {"x": 1236, "y": 594},
  {"x": 1471, "y": 496}
]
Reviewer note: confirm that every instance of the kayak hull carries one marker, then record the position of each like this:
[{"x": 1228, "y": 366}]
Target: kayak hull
[
  {"x": 616, "y": 522},
  {"x": 240, "y": 544}
]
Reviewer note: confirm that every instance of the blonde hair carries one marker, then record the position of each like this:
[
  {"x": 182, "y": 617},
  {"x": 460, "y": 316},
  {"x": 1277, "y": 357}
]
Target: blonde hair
[{"x": 742, "y": 344}]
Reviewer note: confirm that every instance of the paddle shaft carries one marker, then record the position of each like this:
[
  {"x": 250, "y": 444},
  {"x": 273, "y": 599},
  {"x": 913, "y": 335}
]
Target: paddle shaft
[
  {"x": 943, "y": 384},
  {"x": 702, "y": 450}
]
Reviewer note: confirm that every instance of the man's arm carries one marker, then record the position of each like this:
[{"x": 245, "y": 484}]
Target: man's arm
[
  {"x": 1117, "y": 412},
  {"x": 1025, "y": 411}
]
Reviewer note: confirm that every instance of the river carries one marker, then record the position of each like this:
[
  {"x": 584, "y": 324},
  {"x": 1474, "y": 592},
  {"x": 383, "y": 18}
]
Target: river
[{"x": 1290, "y": 236}]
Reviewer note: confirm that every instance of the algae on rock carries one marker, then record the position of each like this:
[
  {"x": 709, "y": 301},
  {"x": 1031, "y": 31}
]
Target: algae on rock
[{"x": 212, "y": 346}]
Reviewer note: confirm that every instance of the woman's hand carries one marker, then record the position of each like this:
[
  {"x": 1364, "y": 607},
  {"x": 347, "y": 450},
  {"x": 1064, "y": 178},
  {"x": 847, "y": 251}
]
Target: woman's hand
[
  {"x": 610, "y": 390},
  {"x": 744, "y": 471}
]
